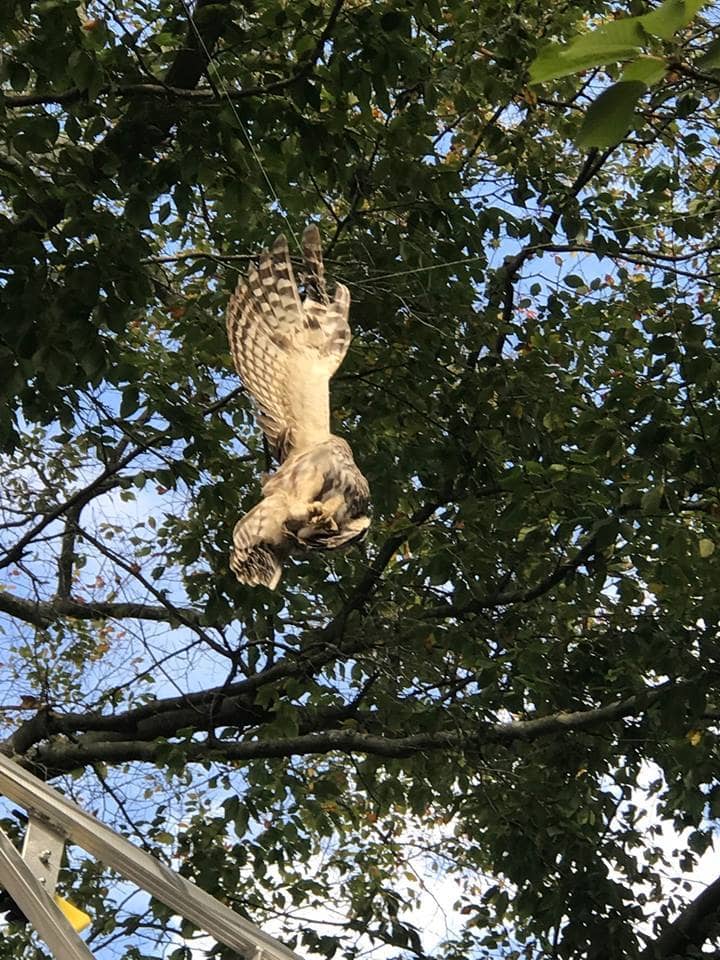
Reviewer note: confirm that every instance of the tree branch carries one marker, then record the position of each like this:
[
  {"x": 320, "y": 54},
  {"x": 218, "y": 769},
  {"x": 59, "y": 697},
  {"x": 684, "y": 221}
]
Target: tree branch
[
  {"x": 104, "y": 482},
  {"x": 66, "y": 559},
  {"x": 182, "y": 76},
  {"x": 42, "y": 613},
  {"x": 686, "y": 70},
  {"x": 371, "y": 578},
  {"x": 690, "y": 929},
  {"x": 507, "y": 275},
  {"x": 163, "y": 719},
  {"x": 59, "y": 756},
  {"x": 501, "y": 599},
  {"x": 173, "y": 612}
]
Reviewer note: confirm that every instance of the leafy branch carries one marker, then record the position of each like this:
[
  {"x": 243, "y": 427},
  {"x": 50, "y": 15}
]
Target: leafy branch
[
  {"x": 610, "y": 116},
  {"x": 59, "y": 756}
]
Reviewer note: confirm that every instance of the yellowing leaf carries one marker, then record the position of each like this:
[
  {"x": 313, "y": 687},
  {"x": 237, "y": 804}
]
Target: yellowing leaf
[
  {"x": 694, "y": 737},
  {"x": 706, "y": 548}
]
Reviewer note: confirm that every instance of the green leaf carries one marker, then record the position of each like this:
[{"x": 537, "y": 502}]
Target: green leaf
[
  {"x": 72, "y": 128},
  {"x": 710, "y": 60},
  {"x": 137, "y": 211},
  {"x": 130, "y": 401},
  {"x": 37, "y": 133},
  {"x": 618, "y": 40},
  {"x": 305, "y": 44},
  {"x": 395, "y": 20},
  {"x": 670, "y": 17},
  {"x": 613, "y": 42},
  {"x": 651, "y": 500},
  {"x": 647, "y": 70},
  {"x": 18, "y": 74},
  {"x": 609, "y": 117}
]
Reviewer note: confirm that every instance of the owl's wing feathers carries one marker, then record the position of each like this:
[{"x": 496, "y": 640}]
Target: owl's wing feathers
[
  {"x": 329, "y": 316},
  {"x": 286, "y": 350},
  {"x": 262, "y": 318},
  {"x": 260, "y": 544}
]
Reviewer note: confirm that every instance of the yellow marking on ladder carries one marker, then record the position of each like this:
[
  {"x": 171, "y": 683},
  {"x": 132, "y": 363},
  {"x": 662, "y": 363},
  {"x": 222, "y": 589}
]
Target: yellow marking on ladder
[{"x": 78, "y": 918}]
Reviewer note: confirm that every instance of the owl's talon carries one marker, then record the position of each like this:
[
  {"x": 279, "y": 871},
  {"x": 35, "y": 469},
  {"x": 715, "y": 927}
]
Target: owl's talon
[{"x": 318, "y": 516}]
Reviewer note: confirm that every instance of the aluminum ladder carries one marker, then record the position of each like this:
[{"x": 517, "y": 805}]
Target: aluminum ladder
[{"x": 30, "y": 877}]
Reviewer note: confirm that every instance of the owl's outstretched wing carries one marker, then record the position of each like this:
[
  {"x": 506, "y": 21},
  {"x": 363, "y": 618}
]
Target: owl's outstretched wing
[{"x": 286, "y": 349}]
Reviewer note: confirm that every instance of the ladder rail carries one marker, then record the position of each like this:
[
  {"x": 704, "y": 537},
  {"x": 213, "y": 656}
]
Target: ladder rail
[
  {"x": 27, "y": 891},
  {"x": 182, "y": 896}
]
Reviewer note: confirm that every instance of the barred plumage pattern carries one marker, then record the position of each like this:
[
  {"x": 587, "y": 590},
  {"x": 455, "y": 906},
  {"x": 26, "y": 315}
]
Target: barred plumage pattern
[{"x": 286, "y": 350}]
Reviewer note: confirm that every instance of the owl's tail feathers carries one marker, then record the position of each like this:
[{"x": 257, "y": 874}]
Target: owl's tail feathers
[{"x": 258, "y": 548}]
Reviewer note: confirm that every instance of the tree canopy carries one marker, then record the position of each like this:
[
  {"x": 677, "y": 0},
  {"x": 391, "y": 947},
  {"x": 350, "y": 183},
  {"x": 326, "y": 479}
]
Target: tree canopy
[{"x": 513, "y": 687}]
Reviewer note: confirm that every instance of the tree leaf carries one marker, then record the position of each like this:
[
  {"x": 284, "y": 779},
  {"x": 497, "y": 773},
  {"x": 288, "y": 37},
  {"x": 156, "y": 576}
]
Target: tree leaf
[
  {"x": 137, "y": 210},
  {"x": 614, "y": 41},
  {"x": 651, "y": 500},
  {"x": 710, "y": 60},
  {"x": 647, "y": 70},
  {"x": 670, "y": 17},
  {"x": 706, "y": 548},
  {"x": 609, "y": 117},
  {"x": 130, "y": 401},
  {"x": 618, "y": 40}
]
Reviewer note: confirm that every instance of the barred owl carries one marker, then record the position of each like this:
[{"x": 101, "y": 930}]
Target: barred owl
[{"x": 286, "y": 349}]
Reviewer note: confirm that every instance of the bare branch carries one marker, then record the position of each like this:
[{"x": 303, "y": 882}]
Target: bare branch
[
  {"x": 173, "y": 612},
  {"x": 66, "y": 559},
  {"x": 43, "y": 613},
  {"x": 200, "y": 255},
  {"x": 204, "y": 710}
]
